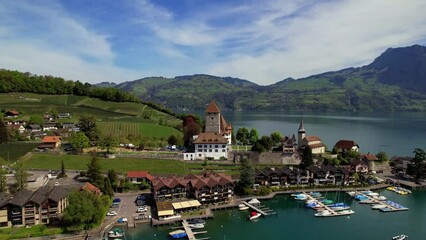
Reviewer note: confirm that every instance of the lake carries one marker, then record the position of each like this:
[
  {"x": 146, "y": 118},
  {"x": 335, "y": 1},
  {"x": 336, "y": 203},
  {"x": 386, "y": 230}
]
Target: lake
[
  {"x": 394, "y": 133},
  {"x": 294, "y": 221}
]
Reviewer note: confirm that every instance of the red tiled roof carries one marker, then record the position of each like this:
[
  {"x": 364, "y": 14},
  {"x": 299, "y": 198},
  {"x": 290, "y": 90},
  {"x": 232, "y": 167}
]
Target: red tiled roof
[
  {"x": 13, "y": 112},
  {"x": 169, "y": 182},
  {"x": 212, "y": 108},
  {"x": 88, "y": 187},
  {"x": 210, "y": 138},
  {"x": 370, "y": 157},
  {"x": 140, "y": 174},
  {"x": 346, "y": 144},
  {"x": 51, "y": 139},
  {"x": 312, "y": 138}
]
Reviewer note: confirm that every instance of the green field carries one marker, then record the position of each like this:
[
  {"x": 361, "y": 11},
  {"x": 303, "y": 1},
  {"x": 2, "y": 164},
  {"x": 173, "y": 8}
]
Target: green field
[
  {"x": 14, "y": 150},
  {"x": 122, "y": 165},
  {"x": 27, "y": 232},
  {"x": 123, "y": 129}
]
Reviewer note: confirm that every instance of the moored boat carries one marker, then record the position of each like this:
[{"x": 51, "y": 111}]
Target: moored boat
[
  {"x": 254, "y": 215},
  {"x": 197, "y": 220},
  {"x": 196, "y": 226},
  {"x": 116, "y": 233},
  {"x": 177, "y": 234},
  {"x": 378, "y": 206},
  {"x": 243, "y": 207},
  {"x": 400, "y": 237}
]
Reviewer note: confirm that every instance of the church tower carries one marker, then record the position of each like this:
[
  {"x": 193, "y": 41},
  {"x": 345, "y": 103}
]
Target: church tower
[
  {"x": 301, "y": 134},
  {"x": 213, "y": 118}
]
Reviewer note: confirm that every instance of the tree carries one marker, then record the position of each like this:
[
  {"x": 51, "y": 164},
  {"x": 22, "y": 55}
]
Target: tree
[
  {"x": 419, "y": 155},
  {"x": 264, "y": 144},
  {"x": 107, "y": 189},
  {"x": 88, "y": 126},
  {"x": 36, "y": 120},
  {"x": 4, "y": 133},
  {"x": 62, "y": 174},
  {"x": 276, "y": 137},
  {"x": 3, "y": 180},
  {"x": 107, "y": 143},
  {"x": 382, "y": 156},
  {"x": 246, "y": 175},
  {"x": 254, "y": 136},
  {"x": 94, "y": 174},
  {"x": 112, "y": 175},
  {"x": 243, "y": 135},
  {"x": 21, "y": 177},
  {"x": 418, "y": 168},
  {"x": 307, "y": 158},
  {"x": 79, "y": 141},
  {"x": 190, "y": 128},
  {"x": 172, "y": 140}
]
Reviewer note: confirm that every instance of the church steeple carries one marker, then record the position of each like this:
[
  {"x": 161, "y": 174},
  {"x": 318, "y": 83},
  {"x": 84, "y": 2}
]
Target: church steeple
[{"x": 300, "y": 134}]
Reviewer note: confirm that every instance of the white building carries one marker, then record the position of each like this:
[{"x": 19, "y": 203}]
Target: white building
[{"x": 313, "y": 142}]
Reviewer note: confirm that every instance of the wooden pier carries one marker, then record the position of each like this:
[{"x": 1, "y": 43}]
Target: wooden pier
[
  {"x": 388, "y": 208},
  {"x": 263, "y": 211},
  {"x": 322, "y": 205},
  {"x": 190, "y": 234}
]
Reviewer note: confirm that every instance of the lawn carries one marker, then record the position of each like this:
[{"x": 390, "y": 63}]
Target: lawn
[
  {"x": 122, "y": 165},
  {"x": 24, "y": 232},
  {"x": 14, "y": 150}
]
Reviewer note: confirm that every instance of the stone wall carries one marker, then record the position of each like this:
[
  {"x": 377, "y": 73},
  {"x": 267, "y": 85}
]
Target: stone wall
[{"x": 275, "y": 158}]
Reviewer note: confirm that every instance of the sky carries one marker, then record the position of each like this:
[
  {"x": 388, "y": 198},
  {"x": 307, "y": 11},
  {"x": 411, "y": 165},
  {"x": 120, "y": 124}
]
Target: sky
[{"x": 260, "y": 41}]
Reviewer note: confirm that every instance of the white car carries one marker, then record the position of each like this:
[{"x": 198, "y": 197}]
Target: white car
[
  {"x": 142, "y": 209},
  {"x": 112, "y": 213}
]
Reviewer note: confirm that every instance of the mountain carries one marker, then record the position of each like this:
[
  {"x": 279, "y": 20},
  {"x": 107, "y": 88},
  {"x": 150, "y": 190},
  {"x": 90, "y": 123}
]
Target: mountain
[{"x": 394, "y": 81}]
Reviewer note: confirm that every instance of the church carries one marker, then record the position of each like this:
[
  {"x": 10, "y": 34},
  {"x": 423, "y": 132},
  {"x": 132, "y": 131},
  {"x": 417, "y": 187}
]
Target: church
[
  {"x": 314, "y": 142},
  {"x": 214, "y": 143}
]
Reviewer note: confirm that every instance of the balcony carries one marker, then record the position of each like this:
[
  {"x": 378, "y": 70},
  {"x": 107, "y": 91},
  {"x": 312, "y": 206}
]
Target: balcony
[
  {"x": 55, "y": 209},
  {"x": 16, "y": 213}
]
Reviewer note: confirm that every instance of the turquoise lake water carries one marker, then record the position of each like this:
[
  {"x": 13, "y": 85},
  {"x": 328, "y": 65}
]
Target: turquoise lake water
[{"x": 294, "y": 221}]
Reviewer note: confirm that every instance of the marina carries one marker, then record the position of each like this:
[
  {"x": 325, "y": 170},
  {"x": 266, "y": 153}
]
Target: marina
[
  {"x": 366, "y": 197},
  {"x": 260, "y": 209},
  {"x": 324, "y": 210}
]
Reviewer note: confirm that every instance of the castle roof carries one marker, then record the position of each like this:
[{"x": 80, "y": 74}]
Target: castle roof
[
  {"x": 212, "y": 108},
  {"x": 301, "y": 127},
  {"x": 210, "y": 137}
]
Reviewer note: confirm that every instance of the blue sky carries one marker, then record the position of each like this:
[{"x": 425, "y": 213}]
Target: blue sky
[{"x": 261, "y": 41}]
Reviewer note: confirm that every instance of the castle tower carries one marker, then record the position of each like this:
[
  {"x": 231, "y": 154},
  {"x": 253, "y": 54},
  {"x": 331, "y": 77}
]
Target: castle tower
[
  {"x": 301, "y": 133},
  {"x": 213, "y": 118}
]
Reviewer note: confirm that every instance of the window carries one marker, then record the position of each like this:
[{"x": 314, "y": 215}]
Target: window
[
  {"x": 223, "y": 146},
  {"x": 216, "y": 146},
  {"x": 216, "y": 150},
  {"x": 223, "y": 150},
  {"x": 210, "y": 150},
  {"x": 205, "y": 146},
  {"x": 205, "y": 150},
  {"x": 200, "y": 155}
]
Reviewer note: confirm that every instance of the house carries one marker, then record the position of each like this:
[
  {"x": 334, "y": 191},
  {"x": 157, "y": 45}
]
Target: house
[
  {"x": 271, "y": 176},
  {"x": 289, "y": 144},
  {"x": 137, "y": 177},
  {"x": 215, "y": 141},
  {"x": 210, "y": 188},
  {"x": 43, "y": 206},
  {"x": 48, "y": 117},
  {"x": 50, "y": 142},
  {"x": 169, "y": 188},
  {"x": 69, "y": 125},
  {"x": 401, "y": 163},
  {"x": 370, "y": 160},
  {"x": 88, "y": 187},
  {"x": 11, "y": 114},
  {"x": 50, "y": 126},
  {"x": 34, "y": 128},
  {"x": 64, "y": 115},
  {"x": 346, "y": 146},
  {"x": 4, "y": 201},
  {"x": 16, "y": 127},
  {"x": 359, "y": 166}
]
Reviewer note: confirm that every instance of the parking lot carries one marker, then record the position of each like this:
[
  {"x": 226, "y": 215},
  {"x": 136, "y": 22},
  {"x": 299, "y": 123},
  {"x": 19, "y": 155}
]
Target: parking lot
[{"x": 127, "y": 208}]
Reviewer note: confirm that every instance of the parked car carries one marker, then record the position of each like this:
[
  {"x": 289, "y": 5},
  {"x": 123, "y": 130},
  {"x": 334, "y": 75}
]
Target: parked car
[
  {"x": 140, "y": 203},
  {"x": 142, "y": 209},
  {"x": 117, "y": 200},
  {"x": 112, "y": 213},
  {"x": 122, "y": 220}
]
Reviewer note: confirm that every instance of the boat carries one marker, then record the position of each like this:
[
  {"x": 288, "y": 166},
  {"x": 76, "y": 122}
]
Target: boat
[
  {"x": 116, "y": 233},
  {"x": 340, "y": 208},
  {"x": 315, "y": 194},
  {"x": 196, "y": 226},
  {"x": 327, "y": 201},
  {"x": 378, "y": 206},
  {"x": 170, "y": 217},
  {"x": 301, "y": 197},
  {"x": 346, "y": 212},
  {"x": 324, "y": 213},
  {"x": 243, "y": 207},
  {"x": 197, "y": 220},
  {"x": 177, "y": 234},
  {"x": 367, "y": 201},
  {"x": 254, "y": 215},
  {"x": 400, "y": 237},
  {"x": 351, "y": 193}
]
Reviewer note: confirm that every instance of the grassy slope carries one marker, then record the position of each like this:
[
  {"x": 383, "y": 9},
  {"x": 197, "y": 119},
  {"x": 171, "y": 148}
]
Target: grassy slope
[
  {"x": 13, "y": 151},
  {"x": 36, "y": 104}
]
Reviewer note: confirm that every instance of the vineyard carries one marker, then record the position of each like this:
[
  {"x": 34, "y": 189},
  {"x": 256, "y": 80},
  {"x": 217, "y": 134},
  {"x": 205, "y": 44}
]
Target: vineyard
[{"x": 124, "y": 129}]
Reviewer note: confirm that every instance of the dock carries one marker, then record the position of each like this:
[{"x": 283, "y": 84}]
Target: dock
[
  {"x": 190, "y": 234},
  {"x": 322, "y": 205},
  {"x": 390, "y": 206},
  {"x": 262, "y": 210}
]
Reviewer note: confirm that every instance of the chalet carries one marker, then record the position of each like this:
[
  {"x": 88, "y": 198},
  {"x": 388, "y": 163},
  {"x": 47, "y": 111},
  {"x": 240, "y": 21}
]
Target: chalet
[
  {"x": 359, "y": 166},
  {"x": 49, "y": 126},
  {"x": 4, "y": 201},
  {"x": 63, "y": 133},
  {"x": 69, "y": 125},
  {"x": 50, "y": 142},
  {"x": 214, "y": 142},
  {"x": 289, "y": 145},
  {"x": 11, "y": 114},
  {"x": 137, "y": 177},
  {"x": 88, "y": 187},
  {"x": 211, "y": 188},
  {"x": 169, "y": 188},
  {"x": 271, "y": 176},
  {"x": 48, "y": 117},
  {"x": 34, "y": 128},
  {"x": 401, "y": 163},
  {"x": 16, "y": 127},
  {"x": 370, "y": 160},
  {"x": 346, "y": 146}
]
